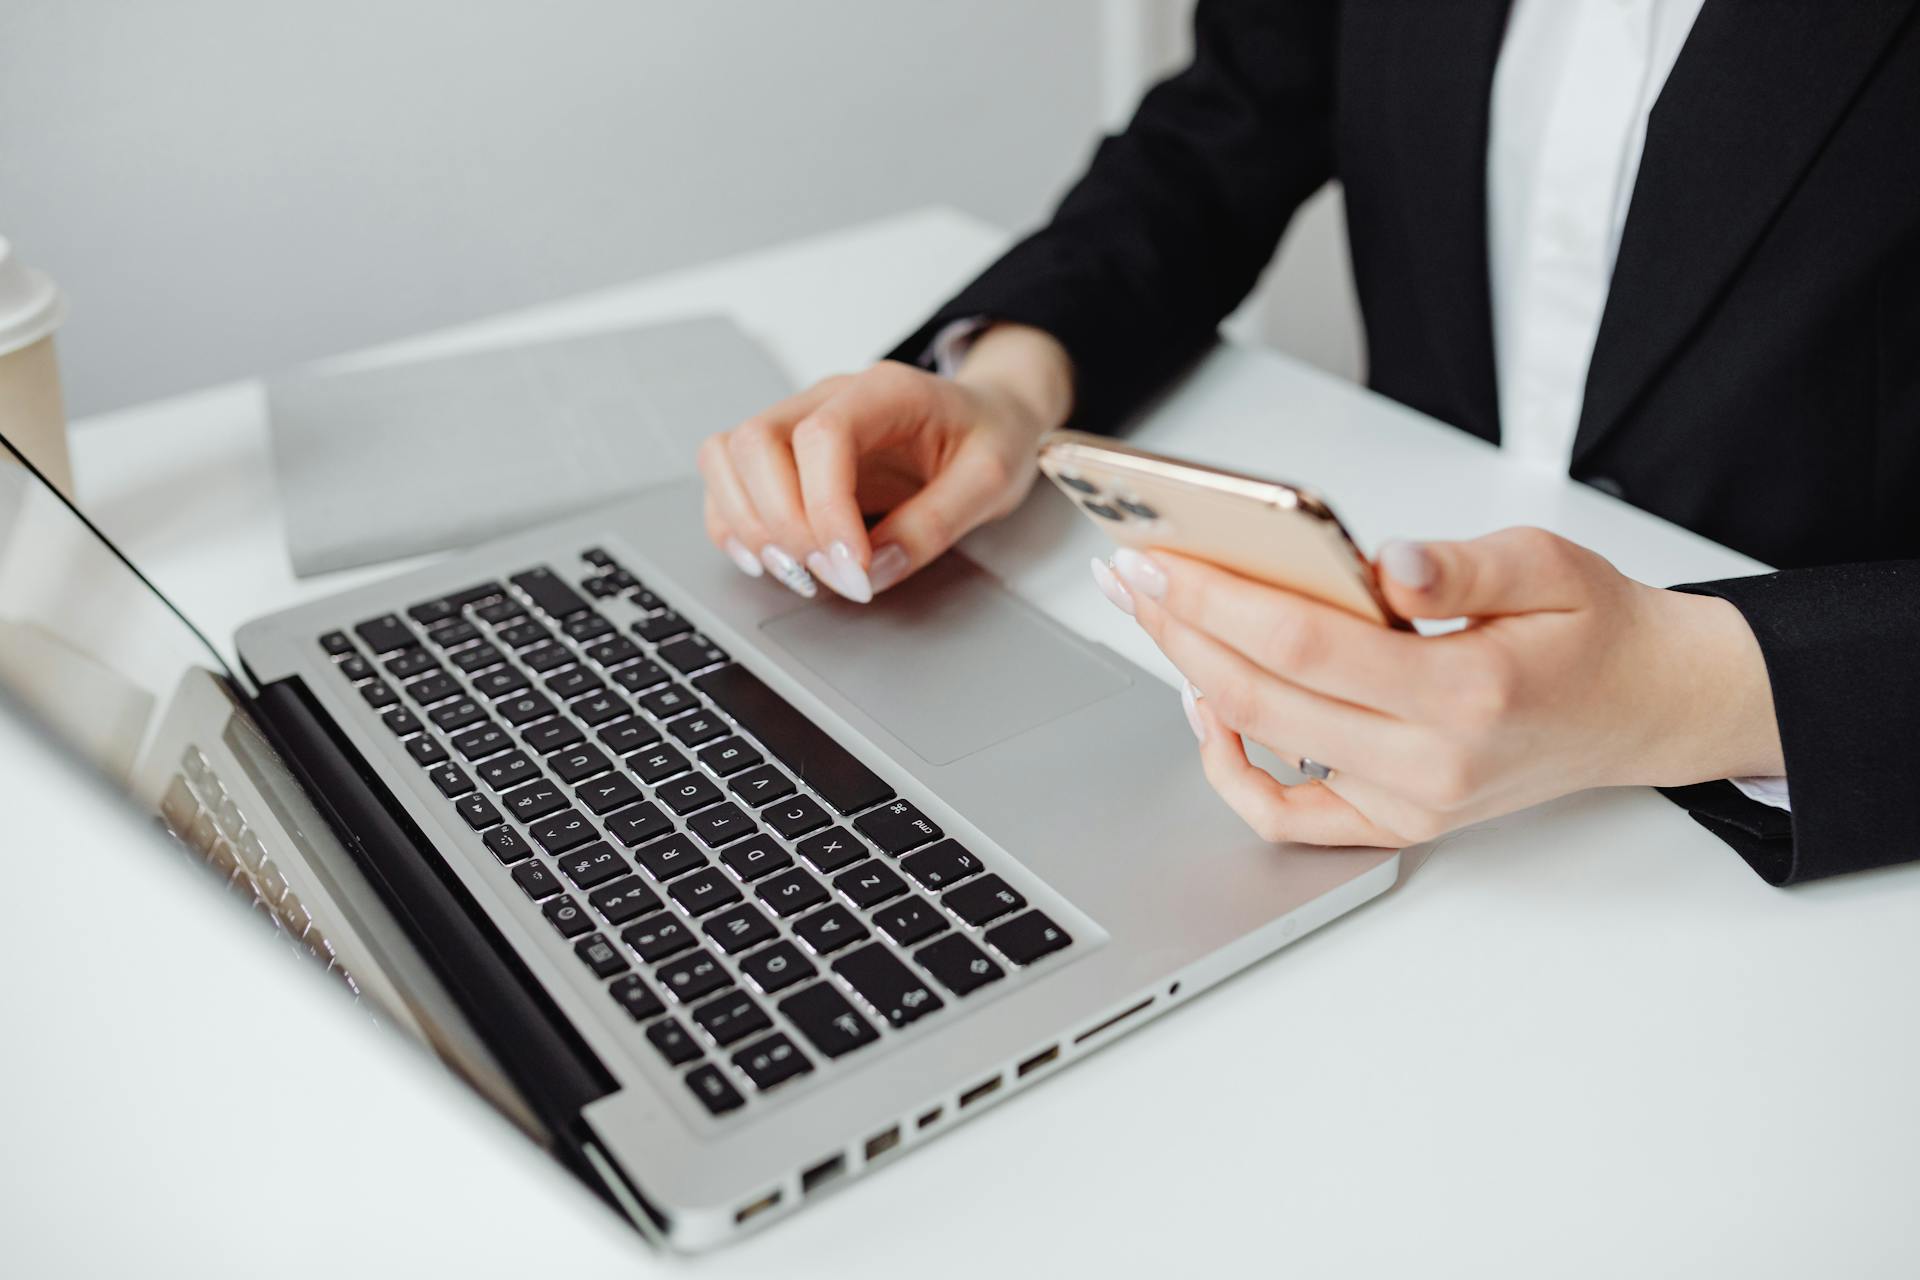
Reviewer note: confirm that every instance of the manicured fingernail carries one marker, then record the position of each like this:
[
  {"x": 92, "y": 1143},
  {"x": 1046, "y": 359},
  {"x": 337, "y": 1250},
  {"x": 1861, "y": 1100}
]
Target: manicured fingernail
[
  {"x": 1141, "y": 573},
  {"x": 1409, "y": 564},
  {"x": 848, "y": 576},
  {"x": 1110, "y": 586},
  {"x": 788, "y": 571},
  {"x": 1190, "y": 703},
  {"x": 889, "y": 565},
  {"x": 744, "y": 560}
]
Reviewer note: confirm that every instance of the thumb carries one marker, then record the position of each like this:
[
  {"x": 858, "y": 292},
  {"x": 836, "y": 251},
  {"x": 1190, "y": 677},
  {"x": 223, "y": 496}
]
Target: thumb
[
  {"x": 968, "y": 492},
  {"x": 1513, "y": 571}
]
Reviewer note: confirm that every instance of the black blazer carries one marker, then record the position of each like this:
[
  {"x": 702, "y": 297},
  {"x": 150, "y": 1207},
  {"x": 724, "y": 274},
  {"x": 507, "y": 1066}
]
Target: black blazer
[{"x": 1757, "y": 372}]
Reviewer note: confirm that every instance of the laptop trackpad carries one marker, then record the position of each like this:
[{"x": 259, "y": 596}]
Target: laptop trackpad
[{"x": 949, "y": 661}]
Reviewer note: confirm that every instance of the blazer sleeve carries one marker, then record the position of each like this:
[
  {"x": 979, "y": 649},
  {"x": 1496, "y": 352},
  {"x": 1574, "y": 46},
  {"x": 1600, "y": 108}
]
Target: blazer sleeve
[
  {"x": 1174, "y": 219},
  {"x": 1842, "y": 648}
]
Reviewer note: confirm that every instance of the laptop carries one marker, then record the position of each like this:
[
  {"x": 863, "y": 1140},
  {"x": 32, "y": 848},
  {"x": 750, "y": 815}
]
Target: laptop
[{"x": 724, "y": 897}]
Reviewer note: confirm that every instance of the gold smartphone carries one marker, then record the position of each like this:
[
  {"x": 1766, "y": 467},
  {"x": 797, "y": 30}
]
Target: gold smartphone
[{"x": 1265, "y": 529}]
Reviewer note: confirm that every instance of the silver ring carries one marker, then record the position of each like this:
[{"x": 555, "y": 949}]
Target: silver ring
[{"x": 1314, "y": 769}]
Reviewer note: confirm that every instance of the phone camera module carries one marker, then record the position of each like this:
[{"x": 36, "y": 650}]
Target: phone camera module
[
  {"x": 1134, "y": 507},
  {"x": 1102, "y": 510},
  {"x": 1080, "y": 483}
]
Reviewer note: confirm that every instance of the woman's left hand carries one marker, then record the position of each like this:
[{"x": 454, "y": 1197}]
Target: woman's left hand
[{"x": 1567, "y": 675}]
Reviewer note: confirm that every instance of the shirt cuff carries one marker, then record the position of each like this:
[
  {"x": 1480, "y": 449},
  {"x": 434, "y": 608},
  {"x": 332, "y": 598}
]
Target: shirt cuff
[
  {"x": 1771, "y": 791},
  {"x": 950, "y": 346}
]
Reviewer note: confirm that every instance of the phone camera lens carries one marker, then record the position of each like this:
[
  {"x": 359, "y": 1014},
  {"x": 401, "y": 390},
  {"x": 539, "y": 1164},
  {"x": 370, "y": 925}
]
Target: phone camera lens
[
  {"x": 1102, "y": 510},
  {"x": 1134, "y": 507},
  {"x": 1084, "y": 485}
]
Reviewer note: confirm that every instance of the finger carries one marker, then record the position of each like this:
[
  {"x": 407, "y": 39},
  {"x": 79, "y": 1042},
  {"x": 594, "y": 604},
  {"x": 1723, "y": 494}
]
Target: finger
[
  {"x": 722, "y": 537},
  {"x": 1311, "y": 644},
  {"x": 967, "y": 492},
  {"x": 731, "y": 506},
  {"x": 868, "y": 412},
  {"x": 1309, "y": 813},
  {"x": 762, "y": 458},
  {"x": 1520, "y": 570}
]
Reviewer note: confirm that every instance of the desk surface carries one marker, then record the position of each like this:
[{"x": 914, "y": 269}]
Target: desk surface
[{"x": 1583, "y": 1040}]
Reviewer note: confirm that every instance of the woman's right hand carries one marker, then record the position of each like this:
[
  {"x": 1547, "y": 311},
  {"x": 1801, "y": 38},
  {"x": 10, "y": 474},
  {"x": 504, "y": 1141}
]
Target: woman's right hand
[{"x": 789, "y": 490}]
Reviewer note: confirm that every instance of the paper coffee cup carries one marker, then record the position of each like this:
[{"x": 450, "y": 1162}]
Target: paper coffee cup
[{"x": 32, "y": 415}]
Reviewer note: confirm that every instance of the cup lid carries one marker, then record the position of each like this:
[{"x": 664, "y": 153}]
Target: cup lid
[{"x": 30, "y": 305}]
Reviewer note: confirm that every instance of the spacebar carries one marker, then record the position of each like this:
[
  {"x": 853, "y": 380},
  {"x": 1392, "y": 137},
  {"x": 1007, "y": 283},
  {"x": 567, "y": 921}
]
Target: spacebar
[{"x": 823, "y": 764}]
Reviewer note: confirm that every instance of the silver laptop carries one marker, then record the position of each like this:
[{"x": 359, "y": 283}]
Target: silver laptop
[{"x": 725, "y": 897}]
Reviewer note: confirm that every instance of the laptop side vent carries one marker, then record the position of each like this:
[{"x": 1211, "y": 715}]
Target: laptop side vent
[{"x": 1112, "y": 1022}]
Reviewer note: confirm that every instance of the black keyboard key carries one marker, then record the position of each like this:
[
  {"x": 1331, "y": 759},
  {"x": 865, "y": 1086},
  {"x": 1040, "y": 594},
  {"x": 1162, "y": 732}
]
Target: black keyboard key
[
  {"x": 601, "y": 586},
  {"x": 437, "y": 687},
  {"x": 828, "y": 1021},
  {"x": 661, "y": 626},
  {"x": 478, "y": 811},
  {"x": 675, "y": 1043},
  {"x": 552, "y": 735},
  {"x": 688, "y": 792},
  {"x": 579, "y": 763},
  {"x": 600, "y": 955},
  {"x": 645, "y": 601},
  {"x": 870, "y": 884},
  {"x": 476, "y": 658},
  {"x": 500, "y": 682},
  {"x": 691, "y": 976},
  {"x": 794, "y": 816},
  {"x": 703, "y": 891},
  {"x": 673, "y": 856},
  {"x": 378, "y": 693},
  {"x": 761, "y": 786},
  {"x": 637, "y": 998},
  {"x": 401, "y": 721},
  {"x": 545, "y": 657},
  {"x": 426, "y": 750},
  {"x": 983, "y": 901},
  {"x": 548, "y": 592},
  {"x": 729, "y": 756},
  {"x": 659, "y": 936},
  {"x": 832, "y": 849},
  {"x": 434, "y": 612},
  {"x": 535, "y": 800},
  {"x": 942, "y": 866},
  {"x": 408, "y": 663},
  {"x": 614, "y": 652},
  {"x": 667, "y": 701},
  {"x": 777, "y": 967},
  {"x": 505, "y": 844},
  {"x": 524, "y": 708},
  {"x": 816, "y": 759},
  {"x": 897, "y": 827},
  {"x": 658, "y": 763},
  {"x": 691, "y": 653},
  {"x": 830, "y": 929},
  {"x": 751, "y": 859},
  {"x": 772, "y": 1061},
  {"x": 481, "y": 741},
  {"x": 384, "y": 634},
  {"x": 336, "y": 643},
  {"x": 627, "y": 898},
  {"x": 503, "y": 773},
  {"x": 593, "y": 865},
  {"x": 564, "y": 914},
  {"x": 563, "y": 831},
  {"x": 573, "y": 682},
  {"x": 598, "y": 556},
  {"x": 1026, "y": 938},
  {"x": 524, "y": 634},
  {"x": 456, "y": 715},
  {"x": 888, "y": 985},
  {"x": 496, "y": 612},
  {"x": 356, "y": 668},
  {"x": 721, "y": 824},
  {"x": 791, "y": 892},
  {"x": 451, "y": 779},
  {"x": 638, "y": 824},
  {"x": 625, "y": 736},
  {"x": 638, "y": 677},
  {"x": 597, "y": 708},
  {"x": 739, "y": 928},
  {"x": 697, "y": 728},
  {"x": 732, "y": 1017},
  {"x": 451, "y": 635},
  {"x": 712, "y": 1089},
  {"x": 608, "y": 792},
  {"x": 538, "y": 882},
  {"x": 910, "y": 920},
  {"x": 961, "y": 967},
  {"x": 583, "y": 627}
]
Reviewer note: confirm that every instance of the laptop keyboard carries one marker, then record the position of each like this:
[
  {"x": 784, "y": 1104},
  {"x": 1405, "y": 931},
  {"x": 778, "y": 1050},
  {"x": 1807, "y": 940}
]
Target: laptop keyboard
[{"x": 757, "y": 900}]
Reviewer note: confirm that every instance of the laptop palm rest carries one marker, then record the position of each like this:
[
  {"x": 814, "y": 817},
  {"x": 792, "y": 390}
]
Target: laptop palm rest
[{"x": 949, "y": 662}]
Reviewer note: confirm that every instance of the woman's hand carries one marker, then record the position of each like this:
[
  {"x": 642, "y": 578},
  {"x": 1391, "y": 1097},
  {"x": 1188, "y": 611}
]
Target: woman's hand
[
  {"x": 1568, "y": 675},
  {"x": 790, "y": 489}
]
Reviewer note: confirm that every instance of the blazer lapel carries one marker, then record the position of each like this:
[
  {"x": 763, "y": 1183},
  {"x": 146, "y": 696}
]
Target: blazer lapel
[{"x": 1755, "y": 93}]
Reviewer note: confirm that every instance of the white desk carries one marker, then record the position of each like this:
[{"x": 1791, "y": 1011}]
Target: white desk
[{"x": 1586, "y": 1040}]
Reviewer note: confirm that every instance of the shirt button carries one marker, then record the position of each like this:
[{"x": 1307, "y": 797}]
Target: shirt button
[{"x": 1607, "y": 485}]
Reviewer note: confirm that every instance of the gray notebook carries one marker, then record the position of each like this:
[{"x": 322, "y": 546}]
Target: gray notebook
[{"x": 394, "y": 461}]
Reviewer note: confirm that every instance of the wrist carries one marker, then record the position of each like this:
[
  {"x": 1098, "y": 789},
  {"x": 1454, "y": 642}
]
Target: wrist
[
  {"x": 1023, "y": 369},
  {"x": 1720, "y": 720}
]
